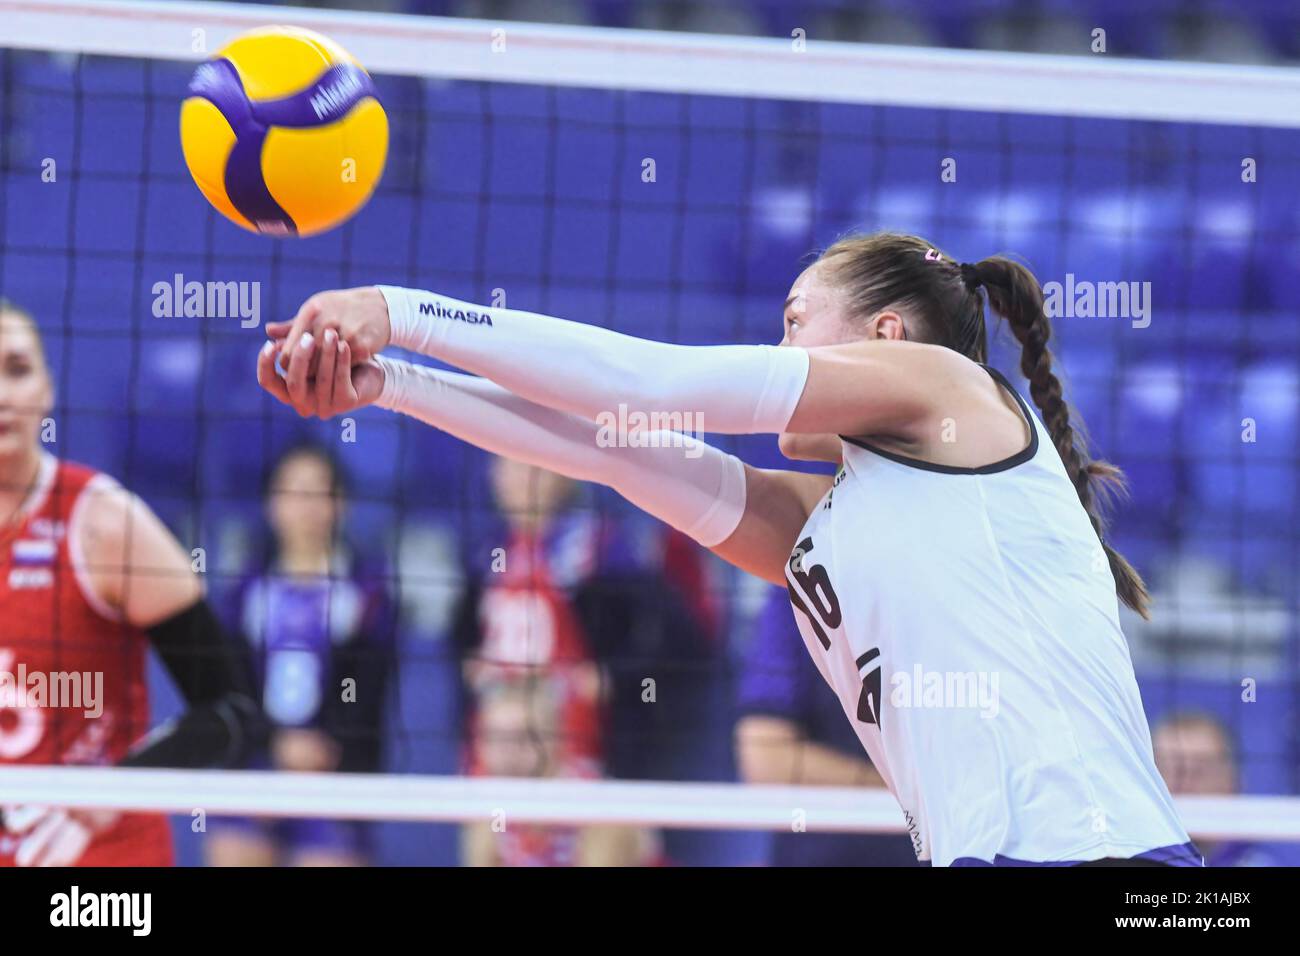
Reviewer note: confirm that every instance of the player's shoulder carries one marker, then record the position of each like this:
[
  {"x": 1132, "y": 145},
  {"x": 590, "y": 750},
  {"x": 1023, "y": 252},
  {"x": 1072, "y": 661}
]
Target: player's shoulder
[
  {"x": 76, "y": 476},
  {"x": 937, "y": 369},
  {"x": 104, "y": 499},
  {"x": 103, "y": 510},
  {"x": 71, "y": 477},
  {"x": 75, "y": 470},
  {"x": 71, "y": 491}
]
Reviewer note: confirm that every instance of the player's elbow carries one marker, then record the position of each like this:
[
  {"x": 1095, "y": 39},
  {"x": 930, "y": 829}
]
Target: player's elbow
[{"x": 248, "y": 729}]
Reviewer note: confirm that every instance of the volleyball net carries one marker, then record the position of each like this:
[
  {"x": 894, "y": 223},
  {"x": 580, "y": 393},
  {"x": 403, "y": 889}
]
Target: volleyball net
[{"x": 669, "y": 186}]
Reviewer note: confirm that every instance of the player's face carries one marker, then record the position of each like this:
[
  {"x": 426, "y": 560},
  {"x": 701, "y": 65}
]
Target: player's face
[
  {"x": 814, "y": 315},
  {"x": 527, "y": 495},
  {"x": 511, "y": 743},
  {"x": 303, "y": 508},
  {"x": 1194, "y": 758},
  {"x": 26, "y": 395}
]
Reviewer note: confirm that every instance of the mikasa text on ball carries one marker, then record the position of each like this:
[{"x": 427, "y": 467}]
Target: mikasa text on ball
[{"x": 283, "y": 133}]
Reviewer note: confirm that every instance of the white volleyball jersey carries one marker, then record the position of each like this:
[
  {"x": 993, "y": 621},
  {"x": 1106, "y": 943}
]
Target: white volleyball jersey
[{"x": 967, "y": 619}]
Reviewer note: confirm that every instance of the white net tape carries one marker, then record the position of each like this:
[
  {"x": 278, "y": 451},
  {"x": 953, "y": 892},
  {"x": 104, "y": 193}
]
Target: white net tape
[
  {"x": 682, "y": 63},
  {"x": 450, "y": 799}
]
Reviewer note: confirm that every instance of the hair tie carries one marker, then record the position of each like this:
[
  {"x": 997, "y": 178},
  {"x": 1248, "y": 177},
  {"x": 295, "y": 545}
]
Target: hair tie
[{"x": 970, "y": 276}]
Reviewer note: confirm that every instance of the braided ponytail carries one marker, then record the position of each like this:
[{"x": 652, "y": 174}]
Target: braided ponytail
[{"x": 1014, "y": 294}]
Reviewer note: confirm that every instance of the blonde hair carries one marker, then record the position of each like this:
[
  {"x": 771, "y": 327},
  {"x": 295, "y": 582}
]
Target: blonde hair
[{"x": 10, "y": 307}]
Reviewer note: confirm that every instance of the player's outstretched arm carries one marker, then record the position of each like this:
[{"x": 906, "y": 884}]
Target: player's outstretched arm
[
  {"x": 855, "y": 389},
  {"x": 748, "y": 516}
]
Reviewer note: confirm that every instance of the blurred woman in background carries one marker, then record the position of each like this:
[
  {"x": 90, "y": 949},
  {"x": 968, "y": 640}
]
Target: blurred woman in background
[
  {"x": 519, "y": 734},
  {"x": 562, "y": 596},
  {"x": 317, "y": 625},
  {"x": 518, "y": 620},
  {"x": 90, "y": 579}
]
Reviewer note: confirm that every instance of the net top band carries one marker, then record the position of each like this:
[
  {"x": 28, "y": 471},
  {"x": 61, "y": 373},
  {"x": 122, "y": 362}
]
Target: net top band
[{"x": 781, "y": 68}]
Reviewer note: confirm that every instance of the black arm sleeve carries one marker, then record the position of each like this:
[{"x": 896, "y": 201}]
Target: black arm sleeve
[
  {"x": 465, "y": 639},
  {"x": 357, "y": 725},
  {"x": 222, "y": 723}
]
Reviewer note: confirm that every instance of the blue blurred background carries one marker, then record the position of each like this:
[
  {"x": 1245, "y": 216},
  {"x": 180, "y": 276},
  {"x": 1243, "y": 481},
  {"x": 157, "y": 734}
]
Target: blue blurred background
[{"x": 538, "y": 191}]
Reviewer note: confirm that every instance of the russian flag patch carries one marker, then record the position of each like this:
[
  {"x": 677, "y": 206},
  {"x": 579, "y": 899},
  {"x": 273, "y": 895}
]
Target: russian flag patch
[{"x": 30, "y": 553}]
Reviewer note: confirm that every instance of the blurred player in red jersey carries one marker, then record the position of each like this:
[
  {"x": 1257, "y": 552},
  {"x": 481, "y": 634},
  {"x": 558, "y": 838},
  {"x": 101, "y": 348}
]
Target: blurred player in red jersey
[
  {"x": 537, "y": 672},
  {"x": 519, "y": 734},
  {"x": 526, "y": 624},
  {"x": 89, "y": 579}
]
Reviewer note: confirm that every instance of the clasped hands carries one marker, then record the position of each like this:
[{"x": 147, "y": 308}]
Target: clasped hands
[{"x": 327, "y": 353}]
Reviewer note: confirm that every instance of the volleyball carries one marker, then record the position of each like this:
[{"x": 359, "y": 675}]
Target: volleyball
[{"x": 283, "y": 132}]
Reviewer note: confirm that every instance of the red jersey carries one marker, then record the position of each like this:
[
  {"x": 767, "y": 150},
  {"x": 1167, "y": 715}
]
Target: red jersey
[
  {"x": 527, "y": 844},
  {"x": 530, "y": 629},
  {"x": 72, "y": 675}
]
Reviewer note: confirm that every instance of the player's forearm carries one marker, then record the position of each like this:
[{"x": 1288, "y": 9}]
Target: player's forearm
[
  {"x": 774, "y": 750},
  {"x": 690, "y": 485},
  {"x": 820, "y": 765},
  {"x": 590, "y": 371}
]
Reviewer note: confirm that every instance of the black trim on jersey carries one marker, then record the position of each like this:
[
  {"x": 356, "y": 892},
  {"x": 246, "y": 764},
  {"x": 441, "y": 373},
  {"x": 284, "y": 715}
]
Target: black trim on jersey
[
  {"x": 1019, "y": 458},
  {"x": 803, "y": 609},
  {"x": 869, "y": 701}
]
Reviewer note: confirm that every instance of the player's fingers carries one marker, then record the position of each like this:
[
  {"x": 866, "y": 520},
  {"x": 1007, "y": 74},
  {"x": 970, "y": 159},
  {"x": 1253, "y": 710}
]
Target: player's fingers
[
  {"x": 301, "y": 325},
  {"x": 267, "y": 376},
  {"x": 19, "y": 818},
  {"x": 278, "y": 330},
  {"x": 60, "y": 845},
  {"x": 325, "y": 373},
  {"x": 73, "y": 845},
  {"x": 344, "y": 394},
  {"x": 323, "y": 326},
  {"x": 36, "y": 845},
  {"x": 297, "y": 378}
]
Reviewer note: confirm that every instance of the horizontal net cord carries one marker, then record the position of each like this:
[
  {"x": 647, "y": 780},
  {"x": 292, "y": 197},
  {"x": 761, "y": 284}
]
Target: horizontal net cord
[
  {"x": 1096, "y": 85},
  {"x": 446, "y": 799}
]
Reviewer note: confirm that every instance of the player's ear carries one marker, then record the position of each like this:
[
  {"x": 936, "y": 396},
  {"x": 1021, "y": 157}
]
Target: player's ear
[{"x": 888, "y": 325}]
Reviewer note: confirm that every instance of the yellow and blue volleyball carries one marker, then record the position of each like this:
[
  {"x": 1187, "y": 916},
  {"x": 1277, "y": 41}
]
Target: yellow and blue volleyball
[{"x": 283, "y": 133}]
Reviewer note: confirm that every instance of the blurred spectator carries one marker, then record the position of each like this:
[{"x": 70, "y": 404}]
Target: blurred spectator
[
  {"x": 794, "y": 731},
  {"x": 518, "y": 734},
  {"x": 522, "y": 624},
  {"x": 530, "y": 11},
  {"x": 1197, "y": 756},
  {"x": 570, "y": 601},
  {"x": 318, "y": 625},
  {"x": 717, "y": 16}
]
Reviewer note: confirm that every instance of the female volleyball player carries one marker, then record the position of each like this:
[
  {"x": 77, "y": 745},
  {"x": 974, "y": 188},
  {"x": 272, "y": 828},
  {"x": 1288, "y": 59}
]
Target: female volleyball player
[
  {"x": 89, "y": 579},
  {"x": 952, "y": 581}
]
